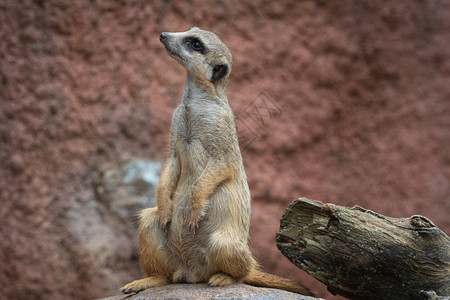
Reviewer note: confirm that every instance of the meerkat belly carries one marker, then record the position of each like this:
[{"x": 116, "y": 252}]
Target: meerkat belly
[
  {"x": 225, "y": 225},
  {"x": 227, "y": 214},
  {"x": 185, "y": 247}
]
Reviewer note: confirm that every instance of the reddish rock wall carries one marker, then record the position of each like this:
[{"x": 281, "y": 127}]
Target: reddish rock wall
[{"x": 360, "y": 115}]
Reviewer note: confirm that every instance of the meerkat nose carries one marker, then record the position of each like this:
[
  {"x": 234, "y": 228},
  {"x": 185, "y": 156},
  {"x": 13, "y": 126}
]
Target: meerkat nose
[{"x": 163, "y": 36}]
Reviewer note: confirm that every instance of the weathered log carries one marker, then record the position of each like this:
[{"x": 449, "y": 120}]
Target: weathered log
[{"x": 360, "y": 254}]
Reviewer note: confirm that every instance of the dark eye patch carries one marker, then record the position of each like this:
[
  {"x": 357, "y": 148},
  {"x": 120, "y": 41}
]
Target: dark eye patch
[{"x": 195, "y": 44}]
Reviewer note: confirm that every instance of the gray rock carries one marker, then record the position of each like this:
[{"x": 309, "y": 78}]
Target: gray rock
[
  {"x": 128, "y": 186},
  {"x": 203, "y": 291},
  {"x": 105, "y": 224}
]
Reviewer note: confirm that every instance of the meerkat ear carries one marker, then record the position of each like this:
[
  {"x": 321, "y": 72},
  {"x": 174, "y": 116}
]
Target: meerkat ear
[{"x": 218, "y": 72}]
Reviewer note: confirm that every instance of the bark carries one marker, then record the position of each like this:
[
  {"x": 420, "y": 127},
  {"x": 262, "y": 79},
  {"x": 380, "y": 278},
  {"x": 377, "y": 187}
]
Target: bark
[{"x": 360, "y": 254}]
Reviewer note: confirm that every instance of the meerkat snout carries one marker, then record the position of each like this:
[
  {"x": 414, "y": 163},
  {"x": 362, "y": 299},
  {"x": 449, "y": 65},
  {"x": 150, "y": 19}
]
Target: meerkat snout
[{"x": 163, "y": 36}]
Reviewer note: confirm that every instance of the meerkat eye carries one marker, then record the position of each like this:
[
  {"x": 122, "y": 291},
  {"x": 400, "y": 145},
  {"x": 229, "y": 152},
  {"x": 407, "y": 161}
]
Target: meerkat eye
[{"x": 196, "y": 45}]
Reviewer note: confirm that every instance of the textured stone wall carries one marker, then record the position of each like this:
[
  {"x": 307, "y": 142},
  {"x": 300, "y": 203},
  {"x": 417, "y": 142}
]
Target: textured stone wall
[{"x": 341, "y": 101}]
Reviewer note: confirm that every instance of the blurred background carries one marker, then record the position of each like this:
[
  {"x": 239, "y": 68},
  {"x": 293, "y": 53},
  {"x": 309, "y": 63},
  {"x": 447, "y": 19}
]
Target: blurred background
[{"x": 340, "y": 101}]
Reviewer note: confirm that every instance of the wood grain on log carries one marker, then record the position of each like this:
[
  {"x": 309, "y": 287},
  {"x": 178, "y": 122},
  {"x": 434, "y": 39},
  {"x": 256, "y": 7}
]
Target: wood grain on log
[{"x": 360, "y": 254}]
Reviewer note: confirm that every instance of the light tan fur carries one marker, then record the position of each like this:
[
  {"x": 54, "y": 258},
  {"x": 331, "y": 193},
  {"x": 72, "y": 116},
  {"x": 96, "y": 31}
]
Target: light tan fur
[{"x": 199, "y": 230}]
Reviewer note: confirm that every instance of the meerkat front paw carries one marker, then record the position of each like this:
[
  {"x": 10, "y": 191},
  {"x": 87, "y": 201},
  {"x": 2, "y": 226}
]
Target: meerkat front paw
[
  {"x": 196, "y": 218},
  {"x": 164, "y": 215},
  {"x": 164, "y": 220}
]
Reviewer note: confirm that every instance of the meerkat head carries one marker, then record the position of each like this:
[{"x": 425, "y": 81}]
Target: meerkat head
[{"x": 204, "y": 55}]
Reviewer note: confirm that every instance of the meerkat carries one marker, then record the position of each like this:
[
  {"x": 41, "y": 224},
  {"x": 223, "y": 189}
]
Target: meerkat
[{"x": 199, "y": 230}]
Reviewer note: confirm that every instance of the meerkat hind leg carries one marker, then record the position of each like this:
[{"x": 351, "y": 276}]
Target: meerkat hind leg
[
  {"x": 154, "y": 259},
  {"x": 143, "y": 284},
  {"x": 221, "y": 279}
]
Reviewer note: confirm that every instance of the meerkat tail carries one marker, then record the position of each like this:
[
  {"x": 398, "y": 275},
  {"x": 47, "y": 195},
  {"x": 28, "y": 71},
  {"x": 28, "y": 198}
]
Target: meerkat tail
[{"x": 261, "y": 279}]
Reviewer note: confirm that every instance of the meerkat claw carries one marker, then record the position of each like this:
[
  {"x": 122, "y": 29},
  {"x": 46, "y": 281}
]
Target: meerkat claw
[
  {"x": 163, "y": 222},
  {"x": 165, "y": 225},
  {"x": 194, "y": 227}
]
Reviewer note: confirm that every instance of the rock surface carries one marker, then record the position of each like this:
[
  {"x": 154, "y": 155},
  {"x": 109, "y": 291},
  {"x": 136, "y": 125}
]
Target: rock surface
[
  {"x": 203, "y": 291},
  {"x": 340, "y": 101}
]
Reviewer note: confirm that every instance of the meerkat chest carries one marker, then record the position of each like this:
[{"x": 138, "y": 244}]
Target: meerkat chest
[{"x": 201, "y": 126}]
